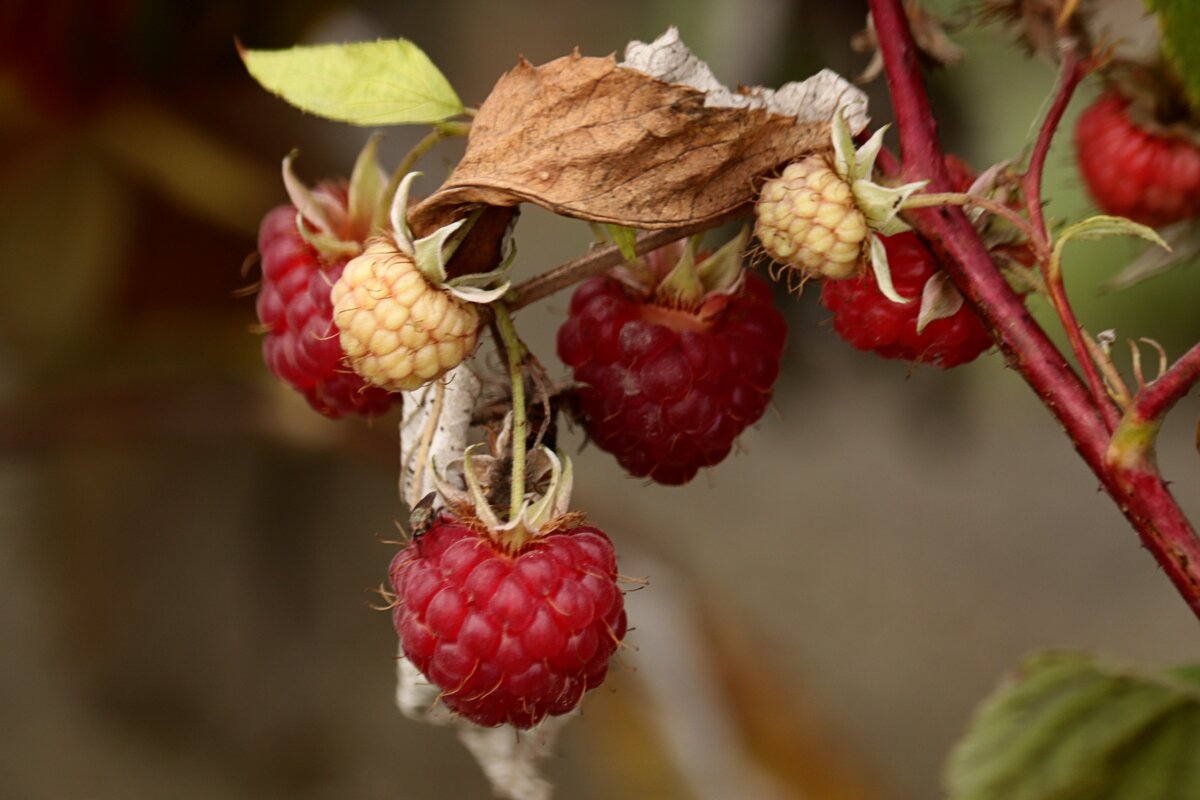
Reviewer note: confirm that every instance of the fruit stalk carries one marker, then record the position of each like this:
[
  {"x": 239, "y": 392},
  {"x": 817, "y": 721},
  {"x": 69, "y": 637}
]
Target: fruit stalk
[
  {"x": 1036, "y": 240},
  {"x": 441, "y": 131},
  {"x": 1143, "y": 498},
  {"x": 515, "y": 351}
]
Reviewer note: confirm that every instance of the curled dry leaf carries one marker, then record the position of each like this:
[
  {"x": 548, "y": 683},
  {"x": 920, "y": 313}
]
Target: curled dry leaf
[{"x": 589, "y": 138}]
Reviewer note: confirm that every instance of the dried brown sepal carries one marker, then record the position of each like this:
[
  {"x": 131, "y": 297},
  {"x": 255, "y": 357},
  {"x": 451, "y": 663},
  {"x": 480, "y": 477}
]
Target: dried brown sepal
[
  {"x": 1041, "y": 24},
  {"x": 464, "y": 514},
  {"x": 586, "y": 138}
]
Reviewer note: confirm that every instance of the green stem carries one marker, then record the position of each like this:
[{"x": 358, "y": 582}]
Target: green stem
[
  {"x": 1036, "y": 239},
  {"x": 441, "y": 131},
  {"x": 515, "y": 351}
]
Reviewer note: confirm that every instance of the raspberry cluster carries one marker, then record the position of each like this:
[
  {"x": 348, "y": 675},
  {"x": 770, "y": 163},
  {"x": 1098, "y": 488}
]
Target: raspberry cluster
[
  {"x": 301, "y": 344},
  {"x": 665, "y": 390},
  {"x": 508, "y": 637}
]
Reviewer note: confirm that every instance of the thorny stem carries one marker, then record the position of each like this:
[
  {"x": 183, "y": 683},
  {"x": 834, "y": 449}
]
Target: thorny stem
[
  {"x": 1142, "y": 496},
  {"x": 1161, "y": 394},
  {"x": 515, "y": 351},
  {"x": 604, "y": 258}
]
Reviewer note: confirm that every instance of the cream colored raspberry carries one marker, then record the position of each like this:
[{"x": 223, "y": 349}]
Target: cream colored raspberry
[
  {"x": 823, "y": 216},
  {"x": 808, "y": 218},
  {"x": 398, "y": 330}
]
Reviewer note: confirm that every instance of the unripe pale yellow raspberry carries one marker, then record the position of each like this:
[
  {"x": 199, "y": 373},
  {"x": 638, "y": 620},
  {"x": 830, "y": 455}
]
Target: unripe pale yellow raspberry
[
  {"x": 397, "y": 329},
  {"x": 808, "y": 218}
]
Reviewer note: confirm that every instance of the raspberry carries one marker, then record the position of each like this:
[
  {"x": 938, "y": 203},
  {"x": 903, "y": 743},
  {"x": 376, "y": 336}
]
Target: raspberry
[
  {"x": 667, "y": 390},
  {"x": 1131, "y": 171},
  {"x": 807, "y": 217},
  {"x": 822, "y": 217},
  {"x": 399, "y": 330},
  {"x": 508, "y": 637},
  {"x": 871, "y": 322},
  {"x": 301, "y": 345}
]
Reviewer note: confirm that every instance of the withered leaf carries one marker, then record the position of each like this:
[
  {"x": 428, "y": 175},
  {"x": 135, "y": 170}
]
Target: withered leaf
[{"x": 586, "y": 138}]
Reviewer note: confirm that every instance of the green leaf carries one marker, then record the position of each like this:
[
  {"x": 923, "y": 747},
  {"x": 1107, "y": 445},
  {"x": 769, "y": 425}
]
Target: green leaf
[
  {"x": 387, "y": 82},
  {"x": 1102, "y": 227},
  {"x": 1180, "y": 19},
  {"x": 626, "y": 241},
  {"x": 1070, "y": 728}
]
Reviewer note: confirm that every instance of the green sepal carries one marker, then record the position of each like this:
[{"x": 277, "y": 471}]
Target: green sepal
[
  {"x": 474, "y": 288},
  {"x": 316, "y": 208},
  {"x": 722, "y": 271},
  {"x": 385, "y": 82},
  {"x": 845, "y": 160},
  {"x": 939, "y": 300},
  {"x": 328, "y": 245},
  {"x": 399, "y": 216},
  {"x": 483, "y": 509},
  {"x": 626, "y": 241},
  {"x": 368, "y": 182},
  {"x": 430, "y": 253},
  {"x": 883, "y": 272},
  {"x": 880, "y": 205},
  {"x": 681, "y": 286}
]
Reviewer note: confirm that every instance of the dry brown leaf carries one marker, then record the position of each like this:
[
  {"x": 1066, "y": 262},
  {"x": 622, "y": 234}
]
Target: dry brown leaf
[{"x": 586, "y": 138}]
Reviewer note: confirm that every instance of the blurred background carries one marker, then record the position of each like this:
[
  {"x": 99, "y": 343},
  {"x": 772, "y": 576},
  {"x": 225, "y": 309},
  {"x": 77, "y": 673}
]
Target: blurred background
[{"x": 187, "y": 551}]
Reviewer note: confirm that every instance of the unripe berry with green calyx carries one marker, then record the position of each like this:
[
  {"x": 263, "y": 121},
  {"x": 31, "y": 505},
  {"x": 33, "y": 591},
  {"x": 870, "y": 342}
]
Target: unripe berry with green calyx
[
  {"x": 821, "y": 216},
  {"x": 403, "y": 323}
]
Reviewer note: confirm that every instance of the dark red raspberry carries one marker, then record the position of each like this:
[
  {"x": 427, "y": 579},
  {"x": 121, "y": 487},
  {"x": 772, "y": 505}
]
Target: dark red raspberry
[
  {"x": 871, "y": 322},
  {"x": 508, "y": 638},
  {"x": 1149, "y": 177},
  {"x": 301, "y": 344},
  {"x": 665, "y": 390}
]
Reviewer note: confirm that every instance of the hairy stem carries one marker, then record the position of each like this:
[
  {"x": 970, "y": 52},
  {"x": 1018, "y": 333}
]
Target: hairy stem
[
  {"x": 440, "y": 131},
  {"x": 1071, "y": 72},
  {"x": 1141, "y": 496},
  {"x": 603, "y": 258},
  {"x": 1036, "y": 239}
]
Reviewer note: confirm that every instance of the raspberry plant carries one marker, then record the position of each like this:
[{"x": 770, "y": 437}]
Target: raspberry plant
[{"x": 507, "y": 605}]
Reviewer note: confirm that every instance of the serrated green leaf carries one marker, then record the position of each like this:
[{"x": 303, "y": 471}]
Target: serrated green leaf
[
  {"x": 1069, "y": 728},
  {"x": 387, "y": 82},
  {"x": 1102, "y": 227},
  {"x": 626, "y": 241},
  {"x": 1179, "y": 20}
]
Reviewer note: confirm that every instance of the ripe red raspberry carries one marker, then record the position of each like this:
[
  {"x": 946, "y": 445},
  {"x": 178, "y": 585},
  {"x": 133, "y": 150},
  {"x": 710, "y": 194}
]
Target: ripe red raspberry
[
  {"x": 301, "y": 344},
  {"x": 667, "y": 390},
  {"x": 508, "y": 637},
  {"x": 871, "y": 322},
  {"x": 1131, "y": 171}
]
